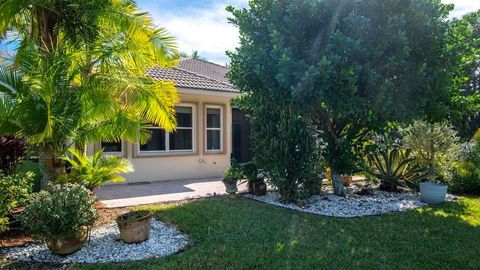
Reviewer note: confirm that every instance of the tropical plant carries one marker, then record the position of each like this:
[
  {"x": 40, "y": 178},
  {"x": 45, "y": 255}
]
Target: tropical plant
[
  {"x": 434, "y": 144},
  {"x": 395, "y": 167},
  {"x": 233, "y": 173},
  {"x": 359, "y": 66},
  {"x": 12, "y": 152},
  {"x": 64, "y": 210},
  {"x": 15, "y": 189},
  {"x": 250, "y": 171},
  {"x": 96, "y": 170},
  {"x": 79, "y": 75}
]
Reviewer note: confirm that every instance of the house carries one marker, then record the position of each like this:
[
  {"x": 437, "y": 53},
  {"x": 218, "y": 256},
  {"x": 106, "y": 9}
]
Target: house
[{"x": 209, "y": 130}]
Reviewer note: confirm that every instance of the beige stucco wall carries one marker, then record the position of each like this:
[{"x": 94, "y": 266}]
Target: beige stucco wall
[{"x": 196, "y": 165}]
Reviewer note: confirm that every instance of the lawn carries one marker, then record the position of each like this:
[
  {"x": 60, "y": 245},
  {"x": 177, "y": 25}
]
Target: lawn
[{"x": 236, "y": 233}]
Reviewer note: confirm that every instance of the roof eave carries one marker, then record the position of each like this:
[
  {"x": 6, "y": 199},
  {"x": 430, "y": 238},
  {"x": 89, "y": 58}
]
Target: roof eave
[{"x": 196, "y": 91}]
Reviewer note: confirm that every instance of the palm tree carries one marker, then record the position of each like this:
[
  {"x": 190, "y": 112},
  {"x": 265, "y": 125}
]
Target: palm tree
[{"x": 78, "y": 75}]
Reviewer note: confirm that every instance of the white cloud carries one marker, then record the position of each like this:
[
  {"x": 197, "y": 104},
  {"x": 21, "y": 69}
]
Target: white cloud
[
  {"x": 463, "y": 7},
  {"x": 205, "y": 30}
]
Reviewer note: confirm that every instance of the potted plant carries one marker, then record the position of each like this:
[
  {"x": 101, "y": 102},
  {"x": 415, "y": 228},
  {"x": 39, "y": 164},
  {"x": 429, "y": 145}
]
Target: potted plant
[
  {"x": 61, "y": 217},
  {"x": 347, "y": 180},
  {"x": 135, "y": 226},
  {"x": 231, "y": 177},
  {"x": 433, "y": 191},
  {"x": 255, "y": 181}
]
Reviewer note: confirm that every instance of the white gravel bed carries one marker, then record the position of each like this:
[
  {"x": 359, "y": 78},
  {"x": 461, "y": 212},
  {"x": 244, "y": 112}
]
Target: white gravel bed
[
  {"x": 352, "y": 205},
  {"x": 105, "y": 246}
]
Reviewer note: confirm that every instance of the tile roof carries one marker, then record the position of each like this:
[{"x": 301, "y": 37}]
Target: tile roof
[{"x": 195, "y": 74}]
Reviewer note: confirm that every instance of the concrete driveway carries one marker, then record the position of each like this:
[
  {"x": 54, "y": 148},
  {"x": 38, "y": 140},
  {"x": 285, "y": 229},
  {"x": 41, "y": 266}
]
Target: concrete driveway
[{"x": 130, "y": 194}]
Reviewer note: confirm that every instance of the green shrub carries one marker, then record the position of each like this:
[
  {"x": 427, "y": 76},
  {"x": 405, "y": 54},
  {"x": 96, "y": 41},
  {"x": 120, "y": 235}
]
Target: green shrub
[
  {"x": 465, "y": 177},
  {"x": 285, "y": 148},
  {"x": 15, "y": 189},
  {"x": 65, "y": 209},
  {"x": 94, "y": 171}
]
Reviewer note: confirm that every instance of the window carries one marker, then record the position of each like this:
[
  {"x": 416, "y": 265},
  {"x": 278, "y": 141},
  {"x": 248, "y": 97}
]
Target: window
[
  {"x": 182, "y": 138},
  {"x": 179, "y": 140},
  {"x": 214, "y": 129},
  {"x": 112, "y": 147},
  {"x": 156, "y": 143}
]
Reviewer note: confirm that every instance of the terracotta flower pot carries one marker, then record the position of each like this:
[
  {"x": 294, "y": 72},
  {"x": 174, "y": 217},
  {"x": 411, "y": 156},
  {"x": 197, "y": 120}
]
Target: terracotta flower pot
[
  {"x": 258, "y": 188},
  {"x": 135, "y": 226},
  {"x": 347, "y": 180},
  {"x": 64, "y": 244}
]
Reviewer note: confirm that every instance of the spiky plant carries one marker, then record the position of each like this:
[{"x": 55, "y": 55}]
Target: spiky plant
[{"x": 395, "y": 167}]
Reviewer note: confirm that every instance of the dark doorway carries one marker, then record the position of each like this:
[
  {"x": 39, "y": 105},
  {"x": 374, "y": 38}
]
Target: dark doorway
[{"x": 240, "y": 136}]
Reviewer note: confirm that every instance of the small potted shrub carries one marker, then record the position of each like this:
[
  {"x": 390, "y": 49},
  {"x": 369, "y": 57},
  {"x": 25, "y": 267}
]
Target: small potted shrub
[
  {"x": 231, "y": 177},
  {"x": 135, "y": 226},
  {"x": 61, "y": 217},
  {"x": 255, "y": 181},
  {"x": 433, "y": 143}
]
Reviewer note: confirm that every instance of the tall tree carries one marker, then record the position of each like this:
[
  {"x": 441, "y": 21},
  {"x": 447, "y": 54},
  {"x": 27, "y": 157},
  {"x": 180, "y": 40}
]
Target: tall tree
[
  {"x": 352, "y": 66},
  {"x": 78, "y": 75},
  {"x": 464, "y": 47}
]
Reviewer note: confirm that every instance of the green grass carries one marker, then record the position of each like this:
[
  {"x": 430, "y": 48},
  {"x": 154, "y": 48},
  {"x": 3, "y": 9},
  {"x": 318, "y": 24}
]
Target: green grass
[{"x": 236, "y": 233}]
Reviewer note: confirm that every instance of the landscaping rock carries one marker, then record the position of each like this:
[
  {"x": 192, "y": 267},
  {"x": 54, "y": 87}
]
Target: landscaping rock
[
  {"x": 353, "y": 205},
  {"x": 105, "y": 245}
]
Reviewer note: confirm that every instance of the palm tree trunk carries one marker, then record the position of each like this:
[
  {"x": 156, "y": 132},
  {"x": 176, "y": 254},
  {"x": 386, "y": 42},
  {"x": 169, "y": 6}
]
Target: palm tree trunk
[
  {"x": 48, "y": 33},
  {"x": 338, "y": 188},
  {"x": 51, "y": 165}
]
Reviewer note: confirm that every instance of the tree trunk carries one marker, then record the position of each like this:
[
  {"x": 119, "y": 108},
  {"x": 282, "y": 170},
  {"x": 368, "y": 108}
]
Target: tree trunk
[
  {"x": 51, "y": 165},
  {"x": 337, "y": 181},
  {"x": 47, "y": 26}
]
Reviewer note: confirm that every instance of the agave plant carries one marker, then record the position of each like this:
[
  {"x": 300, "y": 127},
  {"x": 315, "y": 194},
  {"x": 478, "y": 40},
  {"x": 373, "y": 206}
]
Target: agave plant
[
  {"x": 395, "y": 167},
  {"x": 96, "y": 170}
]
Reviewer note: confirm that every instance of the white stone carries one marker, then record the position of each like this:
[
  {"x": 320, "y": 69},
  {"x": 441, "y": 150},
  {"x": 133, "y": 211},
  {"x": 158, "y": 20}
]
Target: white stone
[
  {"x": 352, "y": 205},
  {"x": 105, "y": 245}
]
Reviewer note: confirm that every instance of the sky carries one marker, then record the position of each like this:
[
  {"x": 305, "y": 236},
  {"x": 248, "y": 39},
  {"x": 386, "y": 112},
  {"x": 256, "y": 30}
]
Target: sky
[{"x": 202, "y": 24}]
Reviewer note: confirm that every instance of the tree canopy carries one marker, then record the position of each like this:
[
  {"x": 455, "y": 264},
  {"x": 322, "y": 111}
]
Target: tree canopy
[{"x": 349, "y": 66}]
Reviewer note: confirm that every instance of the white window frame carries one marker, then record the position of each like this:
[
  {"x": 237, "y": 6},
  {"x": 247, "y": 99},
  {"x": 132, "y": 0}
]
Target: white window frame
[
  {"x": 167, "y": 136},
  {"x": 220, "y": 128},
  {"x": 117, "y": 153}
]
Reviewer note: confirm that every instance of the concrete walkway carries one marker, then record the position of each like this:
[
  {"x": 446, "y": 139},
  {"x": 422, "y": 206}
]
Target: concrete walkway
[{"x": 121, "y": 195}]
